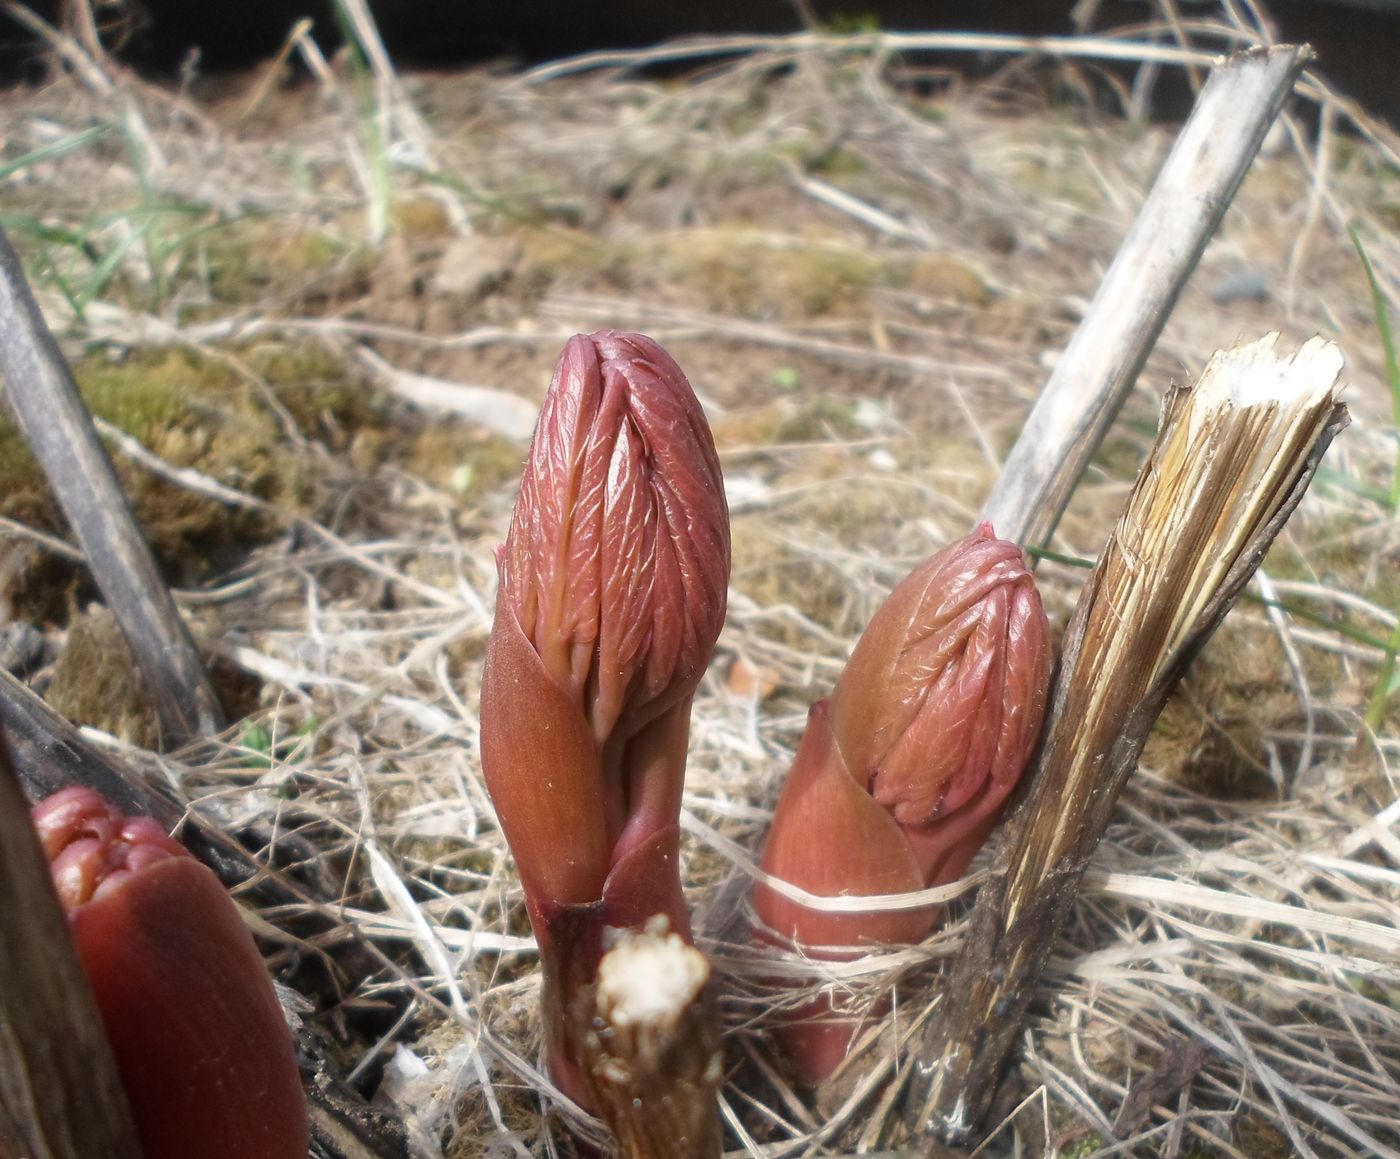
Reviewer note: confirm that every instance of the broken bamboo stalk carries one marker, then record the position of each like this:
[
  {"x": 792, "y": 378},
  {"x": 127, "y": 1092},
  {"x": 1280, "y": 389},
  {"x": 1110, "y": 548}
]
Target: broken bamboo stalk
[
  {"x": 60, "y": 1095},
  {"x": 1097, "y": 369},
  {"x": 58, "y": 428},
  {"x": 1231, "y": 461}
]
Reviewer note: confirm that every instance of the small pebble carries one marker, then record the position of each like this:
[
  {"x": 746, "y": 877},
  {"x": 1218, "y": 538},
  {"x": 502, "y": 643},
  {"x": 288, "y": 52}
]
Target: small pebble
[{"x": 1248, "y": 285}]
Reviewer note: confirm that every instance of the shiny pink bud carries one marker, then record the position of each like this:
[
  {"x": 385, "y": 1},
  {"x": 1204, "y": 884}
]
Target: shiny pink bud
[
  {"x": 940, "y": 706},
  {"x": 617, "y": 562},
  {"x": 201, "y": 1045},
  {"x": 904, "y": 771}
]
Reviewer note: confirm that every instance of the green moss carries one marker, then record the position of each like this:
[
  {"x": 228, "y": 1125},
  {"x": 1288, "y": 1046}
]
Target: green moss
[
  {"x": 143, "y": 392},
  {"x": 774, "y": 573},
  {"x": 249, "y": 256},
  {"x": 935, "y": 112},
  {"x": 462, "y": 458},
  {"x": 206, "y": 415},
  {"x": 96, "y": 682},
  {"x": 737, "y": 270},
  {"x": 838, "y": 163},
  {"x": 943, "y": 276},
  {"x": 141, "y": 396},
  {"x": 328, "y": 402},
  {"x": 420, "y": 217},
  {"x": 744, "y": 273},
  {"x": 1259, "y": 1138},
  {"x": 226, "y": 418},
  {"x": 549, "y": 254},
  {"x": 818, "y": 419}
]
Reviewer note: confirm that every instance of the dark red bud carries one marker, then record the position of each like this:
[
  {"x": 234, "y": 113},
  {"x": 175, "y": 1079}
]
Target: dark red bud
[{"x": 203, "y": 1049}]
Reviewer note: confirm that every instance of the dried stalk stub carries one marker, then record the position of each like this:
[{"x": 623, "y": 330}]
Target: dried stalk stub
[
  {"x": 612, "y": 593},
  {"x": 1233, "y": 458},
  {"x": 650, "y": 1044},
  {"x": 204, "y": 1053},
  {"x": 903, "y": 772}
]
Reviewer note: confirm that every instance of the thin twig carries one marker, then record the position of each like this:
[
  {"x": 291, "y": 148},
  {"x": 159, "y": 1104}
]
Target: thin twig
[
  {"x": 56, "y": 424},
  {"x": 1135, "y": 298}
]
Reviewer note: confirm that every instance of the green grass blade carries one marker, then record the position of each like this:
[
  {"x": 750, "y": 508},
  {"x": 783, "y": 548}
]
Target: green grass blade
[
  {"x": 1328, "y": 478},
  {"x": 1387, "y": 681},
  {"x": 1392, "y": 358},
  {"x": 1059, "y": 557},
  {"x": 1344, "y": 630},
  {"x": 50, "y": 151},
  {"x": 106, "y": 268}
]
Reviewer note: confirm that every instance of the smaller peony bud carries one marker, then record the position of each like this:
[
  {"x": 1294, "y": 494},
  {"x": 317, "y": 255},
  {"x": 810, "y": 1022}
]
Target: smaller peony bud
[
  {"x": 200, "y": 1042},
  {"x": 903, "y": 772}
]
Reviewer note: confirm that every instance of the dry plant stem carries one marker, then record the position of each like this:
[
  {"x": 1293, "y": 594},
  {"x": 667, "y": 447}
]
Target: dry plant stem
[
  {"x": 79, "y": 22},
  {"x": 884, "y": 43},
  {"x": 344, "y": 1130},
  {"x": 648, "y": 1038},
  {"x": 58, "y": 428},
  {"x": 390, "y": 97},
  {"x": 67, "y": 48},
  {"x": 1232, "y": 460},
  {"x": 1094, "y": 374},
  {"x": 48, "y": 754},
  {"x": 60, "y": 1097}
]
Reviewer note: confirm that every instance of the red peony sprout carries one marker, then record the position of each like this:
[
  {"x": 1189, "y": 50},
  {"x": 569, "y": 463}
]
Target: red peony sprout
[
  {"x": 199, "y": 1038},
  {"x": 612, "y": 593},
  {"x": 903, "y": 771}
]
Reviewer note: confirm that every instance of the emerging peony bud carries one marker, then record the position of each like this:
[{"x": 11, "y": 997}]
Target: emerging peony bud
[
  {"x": 612, "y": 593},
  {"x": 903, "y": 772},
  {"x": 199, "y": 1038}
]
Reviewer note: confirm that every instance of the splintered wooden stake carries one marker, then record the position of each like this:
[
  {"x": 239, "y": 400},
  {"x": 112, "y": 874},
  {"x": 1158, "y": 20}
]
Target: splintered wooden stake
[{"x": 1232, "y": 459}]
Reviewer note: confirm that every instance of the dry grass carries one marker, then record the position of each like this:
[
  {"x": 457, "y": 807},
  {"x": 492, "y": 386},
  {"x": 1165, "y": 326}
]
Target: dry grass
[{"x": 865, "y": 268}]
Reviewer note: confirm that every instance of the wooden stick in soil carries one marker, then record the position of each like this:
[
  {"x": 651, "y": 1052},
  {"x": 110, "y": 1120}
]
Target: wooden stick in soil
[
  {"x": 649, "y": 1045},
  {"x": 1098, "y": 367},
  {"x": 1232, "y": 460},
  {"x": 60, "y": 1096},
  {"x": 58, "y": 428}
]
